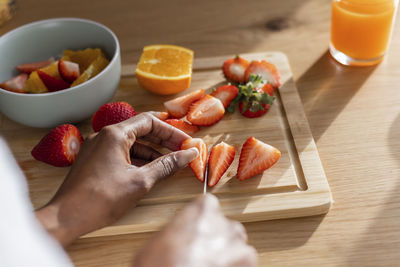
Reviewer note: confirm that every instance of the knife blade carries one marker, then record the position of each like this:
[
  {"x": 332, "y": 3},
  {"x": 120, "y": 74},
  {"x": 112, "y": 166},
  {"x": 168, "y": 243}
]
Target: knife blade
[{"x": 205, "y": 180}]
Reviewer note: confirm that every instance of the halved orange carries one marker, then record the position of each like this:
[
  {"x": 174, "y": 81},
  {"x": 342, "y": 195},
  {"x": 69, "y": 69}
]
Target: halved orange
[{"x": 165, "y": 69}]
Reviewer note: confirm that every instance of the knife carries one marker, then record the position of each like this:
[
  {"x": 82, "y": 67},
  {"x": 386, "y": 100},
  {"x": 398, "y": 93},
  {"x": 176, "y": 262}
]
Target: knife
[{"x": 205, "y": 180}]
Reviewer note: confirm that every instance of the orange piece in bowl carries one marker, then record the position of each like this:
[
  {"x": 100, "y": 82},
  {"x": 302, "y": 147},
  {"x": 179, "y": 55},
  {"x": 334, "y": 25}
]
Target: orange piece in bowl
[
  {"x": 96, "y": 66},
  {"x": 35, "y": 85},
  {"x": 165, "y": 69}
]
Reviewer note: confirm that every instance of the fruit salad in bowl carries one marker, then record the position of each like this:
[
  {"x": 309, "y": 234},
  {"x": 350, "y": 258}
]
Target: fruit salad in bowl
[{"x": 57, "y": 71}]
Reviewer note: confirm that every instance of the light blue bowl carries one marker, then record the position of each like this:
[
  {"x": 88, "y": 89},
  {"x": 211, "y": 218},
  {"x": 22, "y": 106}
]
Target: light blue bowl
[{"x": 40, "y": 40}]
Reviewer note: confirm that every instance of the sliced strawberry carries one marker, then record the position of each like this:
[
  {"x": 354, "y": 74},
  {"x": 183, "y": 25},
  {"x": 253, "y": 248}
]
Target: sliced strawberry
[
  {"x": 221, "y": 157},
  {"x": 53, "y": 84},
  {"x": 234, "y": 69},
  {"x": 111, "y": 113},
  {"x": 226, "y": 93},
  {"x": 160, "y": 115},
  {"x": 255, "y": 158},
  {"x": 59, "y": 147},
  {"x": 179, "y": 107},
  {"x": 206, "y": 111},
  {"x": 29, "y": 67},
  {"x": 183, "y": 126},
  {"x": 16, "y": 84},
  {"x": 266, "y": 70},
  {"x": 198, "y": 165},
  {"x": 268, "y": 88},
  {"x": 68, "y": 70}
]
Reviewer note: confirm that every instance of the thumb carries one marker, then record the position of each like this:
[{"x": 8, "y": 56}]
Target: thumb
[{"x": 168, "y": 164}]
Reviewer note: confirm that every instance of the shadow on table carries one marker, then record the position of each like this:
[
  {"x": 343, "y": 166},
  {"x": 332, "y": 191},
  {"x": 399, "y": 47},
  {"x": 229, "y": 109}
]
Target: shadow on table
[
  {"x": 326, "y": 88},
  {"x": 281, "y": 234},
  {"x": 384, "y": 228}
]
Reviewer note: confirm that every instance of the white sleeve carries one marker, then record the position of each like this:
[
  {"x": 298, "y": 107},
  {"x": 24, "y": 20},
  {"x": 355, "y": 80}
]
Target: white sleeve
[{"x": 23, "y": 241}]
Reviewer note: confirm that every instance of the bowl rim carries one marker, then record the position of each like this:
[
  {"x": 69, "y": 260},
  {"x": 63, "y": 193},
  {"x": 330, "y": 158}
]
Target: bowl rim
[{"x": 32, "y": 24}]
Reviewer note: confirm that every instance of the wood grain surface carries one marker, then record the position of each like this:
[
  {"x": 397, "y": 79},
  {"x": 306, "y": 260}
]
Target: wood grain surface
[{"x": 354, "y": 115}]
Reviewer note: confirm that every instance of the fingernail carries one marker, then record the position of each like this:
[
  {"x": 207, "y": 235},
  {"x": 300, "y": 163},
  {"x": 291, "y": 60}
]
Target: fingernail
[{"x": 194, "y": 149}]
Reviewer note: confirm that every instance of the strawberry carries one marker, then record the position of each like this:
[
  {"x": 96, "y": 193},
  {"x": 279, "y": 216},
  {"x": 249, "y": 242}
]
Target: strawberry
[
  {"x": 206, "y": 111},
  {"x": 226, "y": 93},
  {"x": 68, "y": 70},
  {"x": 255, "y": 158},
  {"x": 183, "y": 126},
  {"x": 179, "y": 107},
  {"x": 29, "y": 67},
  {"x": 268, "y": 88},
  {"x": 160, "y": 115},
  {"x": 198, "y": 165},
  {"x": 111, "y": 113},
  {"x": 234, "y": 69},
  {"x": 221, "y": 157},
  {"x": 253, "y": 101},
  {"x": 266, "y": 70},
  {"x": 60, "y": 146},
  {"x": 53, "y": 84},
  {"x": 15, "y": 84}
]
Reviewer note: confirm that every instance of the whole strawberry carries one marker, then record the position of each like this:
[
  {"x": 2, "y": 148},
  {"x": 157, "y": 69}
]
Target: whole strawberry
[
  {"x": 60, "y": 146},
  {"x": 111, "y": 113}
]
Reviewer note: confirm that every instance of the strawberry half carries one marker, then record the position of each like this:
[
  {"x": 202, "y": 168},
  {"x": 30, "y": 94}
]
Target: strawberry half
[
  {"x": 221, "y": 157},
  {"x": 226, "y": 93},
  {"x": 206, "y": 111},
  {"x": 198, "y": 165},
  {"x": 16, "y": 84},
  {"x": 183, "y": 126},
  {"x": 53, "y": 84},
  {"x": 179, "y": 107},
  {"x": 29, "y": 67},
  {"x": 68, "y": 70},
  {"x": 111, "y": 113},
  {"x": 160, "y": 115},
  {"x": 234, "y": 69},
  {"x": 266, "y": 70},
  {"x": 60, "y": 146},
  {"x": 255, "y": 158}
]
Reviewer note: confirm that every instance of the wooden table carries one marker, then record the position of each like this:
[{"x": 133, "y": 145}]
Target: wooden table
[{"x": 354, "y": 114}]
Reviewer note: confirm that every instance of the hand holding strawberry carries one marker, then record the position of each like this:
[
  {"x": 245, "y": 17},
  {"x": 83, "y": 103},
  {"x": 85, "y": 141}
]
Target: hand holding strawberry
[{"x": 112, "y": 172}]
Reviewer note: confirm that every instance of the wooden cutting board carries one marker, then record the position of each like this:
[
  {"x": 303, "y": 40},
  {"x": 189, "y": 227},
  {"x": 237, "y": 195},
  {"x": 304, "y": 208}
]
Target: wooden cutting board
[{"x": 296, "y": 186}]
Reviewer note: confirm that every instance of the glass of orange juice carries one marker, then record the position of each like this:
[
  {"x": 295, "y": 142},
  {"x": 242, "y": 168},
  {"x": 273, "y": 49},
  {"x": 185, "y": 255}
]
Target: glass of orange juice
[{"x": 360, "y": 30}]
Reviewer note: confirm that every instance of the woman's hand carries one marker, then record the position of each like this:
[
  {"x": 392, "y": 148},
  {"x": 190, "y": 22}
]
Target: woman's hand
[
  {"x": 111, "y": 173},
  {"x": 199, "y": 235}
]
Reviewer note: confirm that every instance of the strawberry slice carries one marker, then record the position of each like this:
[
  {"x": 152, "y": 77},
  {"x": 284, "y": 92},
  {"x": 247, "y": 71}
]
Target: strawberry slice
[
  {"x": 53, "y": 84},
  {"x": 179, "y": 107},
  {"x": 234, "y": 69},
  {"x": 266, "y": 70},
  {"x": 160, "y": 115},
  {"x": 16, "y": 84},
  {"x": 226, "y": 93},
  {"x": 255, "y": 158},
  {"x": 198, "y": 165},
  {"x": 268, "y": 88},
  {"x": 29, "y": 67},
  {"x": 206, "y": 111},
  {"x": 59, "y": 147},
  {"x": 221, "y": 157},
  {"x": 68, "y": 70},
  {"x": 183, "y": 126}
]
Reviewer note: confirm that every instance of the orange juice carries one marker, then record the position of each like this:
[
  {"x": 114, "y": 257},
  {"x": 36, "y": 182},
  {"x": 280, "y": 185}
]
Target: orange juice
[{"x": 360, "y": 29}]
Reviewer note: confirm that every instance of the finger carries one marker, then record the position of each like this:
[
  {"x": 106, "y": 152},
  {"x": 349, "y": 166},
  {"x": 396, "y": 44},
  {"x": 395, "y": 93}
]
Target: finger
[
  {"x": 141, "y": 151},
  {"x": 239, "y": 230},
  {"x": 168, "y": 164},
  {"x": 160, "y": 132}
]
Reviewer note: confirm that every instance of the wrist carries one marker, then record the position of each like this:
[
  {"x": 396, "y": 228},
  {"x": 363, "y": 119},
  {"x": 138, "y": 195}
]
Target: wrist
[{"x": 50, "y": 220}]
